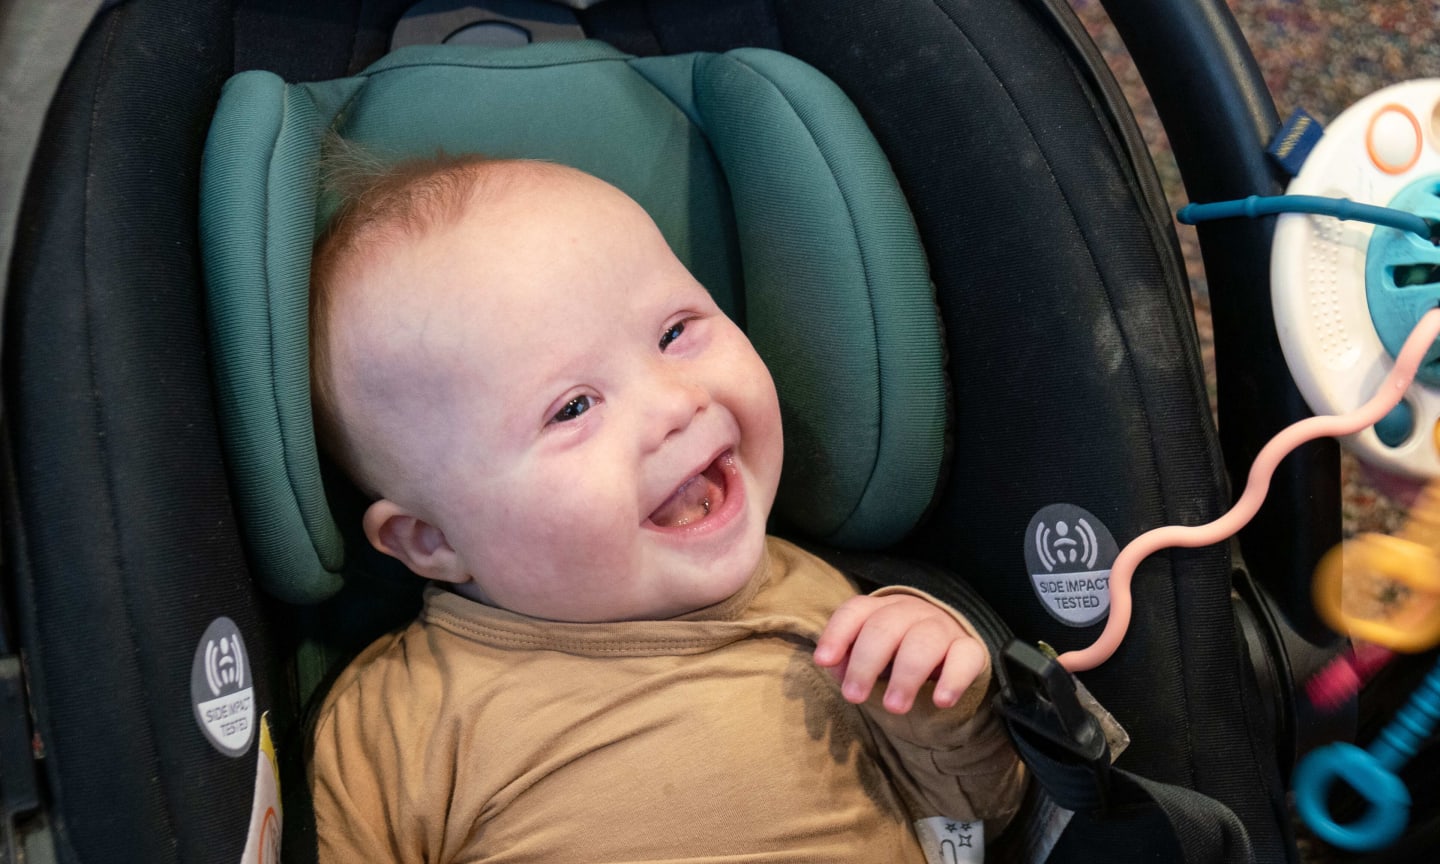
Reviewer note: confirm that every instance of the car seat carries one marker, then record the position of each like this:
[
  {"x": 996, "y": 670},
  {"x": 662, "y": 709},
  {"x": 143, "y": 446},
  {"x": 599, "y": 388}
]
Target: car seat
[{"x": 1070, "y": 355}]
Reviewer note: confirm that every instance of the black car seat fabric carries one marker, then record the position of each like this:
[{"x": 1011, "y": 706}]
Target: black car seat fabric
[
  {"x": 1126, "y": 429},
  {"x": 1072, "y": 363},
  {"x": 125, "y": 546}
]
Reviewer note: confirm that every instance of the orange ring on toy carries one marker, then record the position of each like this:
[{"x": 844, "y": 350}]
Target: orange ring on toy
[{"x": 1375, "y": 159}]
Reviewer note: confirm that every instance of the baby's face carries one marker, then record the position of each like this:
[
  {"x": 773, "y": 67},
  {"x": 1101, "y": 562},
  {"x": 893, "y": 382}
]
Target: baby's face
[{"x": 596, "y": 440}]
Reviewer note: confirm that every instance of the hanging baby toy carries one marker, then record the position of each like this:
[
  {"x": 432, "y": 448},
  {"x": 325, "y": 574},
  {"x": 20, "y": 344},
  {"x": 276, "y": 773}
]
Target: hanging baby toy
[{"x": 1348, "y": 298}]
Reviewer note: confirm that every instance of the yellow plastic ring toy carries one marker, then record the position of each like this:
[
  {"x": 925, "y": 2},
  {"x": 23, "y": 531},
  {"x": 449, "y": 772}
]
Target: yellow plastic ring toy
[{"x": 1416, "y": 626}]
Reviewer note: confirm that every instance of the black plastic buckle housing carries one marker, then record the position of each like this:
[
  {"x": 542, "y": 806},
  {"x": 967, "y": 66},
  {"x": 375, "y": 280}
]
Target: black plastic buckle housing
[
  {"x": 1062, "y": 743},
  {"x": 1038, "y": 694}
]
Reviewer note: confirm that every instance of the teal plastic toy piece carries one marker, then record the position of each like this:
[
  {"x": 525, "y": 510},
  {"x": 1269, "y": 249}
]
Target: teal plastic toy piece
[
  {"x": 1402, "y": 275},
  {"x": 1370, "y": 773}
]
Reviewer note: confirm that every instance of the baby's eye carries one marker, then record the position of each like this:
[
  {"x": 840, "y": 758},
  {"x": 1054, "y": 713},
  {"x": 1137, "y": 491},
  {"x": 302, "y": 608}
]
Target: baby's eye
[
  {"x": 672, "y": 334},
  {"x": 574, "y": 408}
]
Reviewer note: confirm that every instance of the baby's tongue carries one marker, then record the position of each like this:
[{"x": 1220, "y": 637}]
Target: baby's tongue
[{"x": 690, "y": 503}]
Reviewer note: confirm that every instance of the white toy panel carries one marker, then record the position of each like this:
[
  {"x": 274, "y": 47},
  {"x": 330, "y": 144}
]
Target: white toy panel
[{"x": 1381, "y": 145}]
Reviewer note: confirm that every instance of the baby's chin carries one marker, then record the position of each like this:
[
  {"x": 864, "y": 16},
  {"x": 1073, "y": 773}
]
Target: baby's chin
[{"x": 737, "y": 569}]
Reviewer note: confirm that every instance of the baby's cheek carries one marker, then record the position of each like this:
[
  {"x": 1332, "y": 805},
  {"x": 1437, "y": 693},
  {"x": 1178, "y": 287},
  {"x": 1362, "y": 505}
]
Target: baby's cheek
[{"x": 593, "y": 523}]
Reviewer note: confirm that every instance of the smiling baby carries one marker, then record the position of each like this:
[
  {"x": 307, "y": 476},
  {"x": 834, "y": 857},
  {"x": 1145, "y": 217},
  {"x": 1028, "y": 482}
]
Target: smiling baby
[{"x": 561, "y": 430}]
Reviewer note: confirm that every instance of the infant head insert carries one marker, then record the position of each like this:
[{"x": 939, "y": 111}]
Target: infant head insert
[{"x": 758, "y": 172}]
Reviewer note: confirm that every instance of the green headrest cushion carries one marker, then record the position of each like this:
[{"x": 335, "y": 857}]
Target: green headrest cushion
[{"x": 757, "y": 169}]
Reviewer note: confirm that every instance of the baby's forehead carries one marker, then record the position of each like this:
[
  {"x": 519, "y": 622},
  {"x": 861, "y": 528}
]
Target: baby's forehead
[{"x": 463, "y": 283}]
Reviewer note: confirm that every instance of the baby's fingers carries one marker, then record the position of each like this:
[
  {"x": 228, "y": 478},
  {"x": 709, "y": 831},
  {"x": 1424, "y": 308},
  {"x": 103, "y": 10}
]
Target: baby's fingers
[
  {"x": 842, "y": 628},
  {"x": 872, "y": 653},
  {"x": 920, "y": 653},
  {"x": 964, "y": 662}
]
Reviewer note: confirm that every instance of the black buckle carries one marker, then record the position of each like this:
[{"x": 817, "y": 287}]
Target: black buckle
[
  {"x": 1062, "y": 742},
  {"x": 1038, "y": 694}
]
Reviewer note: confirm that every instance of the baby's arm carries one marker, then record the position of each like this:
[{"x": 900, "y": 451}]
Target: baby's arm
[
  {"x": 353, "y": 812},
  {"x": 950, "y": 758},
  {"x": 365, "y": 754},
  {"x": 915, "y": 638}
]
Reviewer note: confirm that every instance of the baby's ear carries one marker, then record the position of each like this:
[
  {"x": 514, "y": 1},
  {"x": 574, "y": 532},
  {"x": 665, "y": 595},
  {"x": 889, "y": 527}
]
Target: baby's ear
[{"x": 414, "y": 542}]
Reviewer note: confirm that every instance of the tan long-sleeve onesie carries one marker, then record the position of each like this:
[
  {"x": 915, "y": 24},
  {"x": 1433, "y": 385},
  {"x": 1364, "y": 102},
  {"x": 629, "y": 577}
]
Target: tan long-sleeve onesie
[{"x": 479, "y": 735}]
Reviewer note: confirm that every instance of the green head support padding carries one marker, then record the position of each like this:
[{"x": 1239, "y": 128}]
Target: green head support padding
[{"x": 758, "y": 171}]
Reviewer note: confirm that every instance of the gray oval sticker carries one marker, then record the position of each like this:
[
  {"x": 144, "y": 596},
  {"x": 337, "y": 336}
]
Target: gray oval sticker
[
  {"x": 221, "y": 688},
  {"x": 1069, "y": 553}
]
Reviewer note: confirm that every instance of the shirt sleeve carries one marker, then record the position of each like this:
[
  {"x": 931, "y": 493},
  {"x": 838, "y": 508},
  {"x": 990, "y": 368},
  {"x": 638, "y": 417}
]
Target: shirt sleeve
[
  {"x": 365, "y": 770},
  {"x": 954, "y": 762},
  {"x": 354, "y": 820}
]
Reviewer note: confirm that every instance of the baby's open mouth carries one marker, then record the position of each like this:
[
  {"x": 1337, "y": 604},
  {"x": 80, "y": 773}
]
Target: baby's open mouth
[{"x": 696, "y": 498}]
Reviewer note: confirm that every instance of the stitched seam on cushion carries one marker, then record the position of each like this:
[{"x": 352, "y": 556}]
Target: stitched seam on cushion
[
  {"x": 865, "y": 265},
  {"x": 548, "y": 65},
  {"x": 344, "y": 108},
  {"x": 287, "y": 458},
  {"x": 105, "y": 441},
  {"x": 1070, "y": 209}
]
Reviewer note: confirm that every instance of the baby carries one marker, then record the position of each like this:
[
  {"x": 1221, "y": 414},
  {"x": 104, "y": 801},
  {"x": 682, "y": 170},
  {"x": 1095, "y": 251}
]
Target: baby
[{"x": 613, "y": 662}]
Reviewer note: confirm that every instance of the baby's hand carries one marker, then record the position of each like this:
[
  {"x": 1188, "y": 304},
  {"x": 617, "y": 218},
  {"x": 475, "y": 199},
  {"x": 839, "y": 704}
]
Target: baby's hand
[{"x": 912, "y": 636}]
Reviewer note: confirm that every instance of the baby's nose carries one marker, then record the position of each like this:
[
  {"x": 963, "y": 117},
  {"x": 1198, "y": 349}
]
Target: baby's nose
[{"x": 674, "y": 402}]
